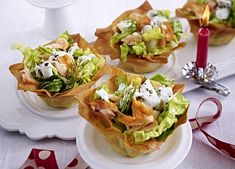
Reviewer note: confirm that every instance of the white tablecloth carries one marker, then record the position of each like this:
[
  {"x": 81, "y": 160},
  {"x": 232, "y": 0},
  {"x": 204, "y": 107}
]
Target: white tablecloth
[{"x": 21, "y": 22}]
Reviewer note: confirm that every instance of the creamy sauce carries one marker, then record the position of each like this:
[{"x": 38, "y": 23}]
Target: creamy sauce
[
  {"x": 73, "y": 49},
  {"x": 124, "y": 25},
  {"x": 165, "y": 94},
  {"x": 151, "y": 13},
  {"x": 148, "y": 94},
  {"x": 223, "y": 9},
  {"x": 157, "y": 20},
  {"x": 121, "y": 86},
  {"x": 146, "y": 28},
  {"x": 86, "y": 57},
  {"x": 103, "y": 94},
  {"x": 44, "y": 70}
]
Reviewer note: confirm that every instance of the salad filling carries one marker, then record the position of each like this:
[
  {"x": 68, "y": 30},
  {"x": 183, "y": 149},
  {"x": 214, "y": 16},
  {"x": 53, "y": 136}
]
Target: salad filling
[
  {"x": 60, "y": 65},
  {"x": 151, "y": 34},
  {"x": 222, "y": 11},
  {"x": 142, "y": 109}
]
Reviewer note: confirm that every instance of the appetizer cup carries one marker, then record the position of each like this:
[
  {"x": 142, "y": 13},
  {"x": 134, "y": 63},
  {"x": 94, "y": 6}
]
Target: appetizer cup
[
  {"x": 59, "y": 70},
  {"x": 141, "y": 38},
  {"x": 135, "y": 114},
  {"x": 221, "y": 23}
]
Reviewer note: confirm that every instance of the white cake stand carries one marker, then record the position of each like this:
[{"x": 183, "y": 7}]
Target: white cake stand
[{"x": 57, "y": 17}]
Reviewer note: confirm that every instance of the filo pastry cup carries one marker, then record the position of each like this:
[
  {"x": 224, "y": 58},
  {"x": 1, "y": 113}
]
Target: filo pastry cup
[
  {"x": 220, "y": 33},
  {"x": 63, "y": 99},
  {"x": 106, "y": 123},
  {"x": 138, "y": 64}
]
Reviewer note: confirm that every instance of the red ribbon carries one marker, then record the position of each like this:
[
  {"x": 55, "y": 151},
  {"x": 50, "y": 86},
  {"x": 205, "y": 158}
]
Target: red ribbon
[
  {"x": 199, "y": 122},
  {"x": 46, "y": 158}
]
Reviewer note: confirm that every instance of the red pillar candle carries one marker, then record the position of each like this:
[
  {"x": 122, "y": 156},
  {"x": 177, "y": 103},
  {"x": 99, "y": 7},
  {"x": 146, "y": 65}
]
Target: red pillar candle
[{"x": 202, "y": 47}]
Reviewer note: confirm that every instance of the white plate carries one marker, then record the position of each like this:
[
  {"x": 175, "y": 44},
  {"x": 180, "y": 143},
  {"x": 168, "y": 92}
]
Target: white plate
[
  {"x": 98, "y": 154},
  {"x": 26, "y": 113}
]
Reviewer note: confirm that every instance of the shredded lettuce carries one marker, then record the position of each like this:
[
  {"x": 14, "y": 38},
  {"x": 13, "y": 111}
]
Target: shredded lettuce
[
  {"x": 201, "y": 1},
  {"x": 159, "y": 51},
  {"x": 153, "y": 34},
  {"x": 88, "y": 72},
  {"x": 177, "y": 106},
  {"x": 124, "y": 52},
  {"x": 117, "y": 38},
  {"x": 136, "y": 82},
  {"x": 162, "y": 79},
  {"x": 52, "y": 85},
  {"x": 31, "y": 57},
  {"x": 125, "y": 101},
  {"x": 44, "y": 51},
  {"x": 151, "y": 45},
  {"x": 177, "y": 27},
  {"x": 127, "y": 26},
  {"x": 139, "y": 48},
  {"x": 103, "y": 86},
  {"x": 67, "y": 36},
  {"x": 232, "y": 13},
  {"x": 82, "y": 72},
  {"x": 121, "y": 79},
  {"x": 165, "y": 13},
  {"x": 124, "y": 32}
]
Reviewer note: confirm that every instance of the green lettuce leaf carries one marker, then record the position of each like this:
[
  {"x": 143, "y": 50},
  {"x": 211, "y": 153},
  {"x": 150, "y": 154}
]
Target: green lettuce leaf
[
  {"x": 165, "y": 13},
  {"x": 124, "y": 103},
  {"x": 88, "y": 71},
  {"x": 121, "y": 79},
  {"x": 44, "y": 51},
  {"x": 159, "y": 51},
  {"x": 176, "y": 107},
  {"x": 103, "y": 86},
  {"x": 162, "y": 79},
  {"x": 130, "y": 26},
  {"x": 139, "y": 48},
  {"x": 52, "y": 85},
  {"x": 78, "y": 52},
  {"x": 124, "y": 52},
  {"x": 232, "y": 13},
  {"x": 67, "y": 36},
  {"x": 31, "y": 57},
  {"x": 153, "y": 34},
  {"x": 81, "y": 52},
  {"x": 117, "y": 38},
  {"x": 201, "y": 1},
  {"x": 98, "y": 62},
  {"x": 124, "y": 33},
  {"x": 177, "y": 27},
  {"x": 136, "y": 82}
]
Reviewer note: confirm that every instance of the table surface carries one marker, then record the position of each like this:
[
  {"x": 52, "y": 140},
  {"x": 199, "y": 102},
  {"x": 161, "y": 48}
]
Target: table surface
[{"x": 21, "y": 22}]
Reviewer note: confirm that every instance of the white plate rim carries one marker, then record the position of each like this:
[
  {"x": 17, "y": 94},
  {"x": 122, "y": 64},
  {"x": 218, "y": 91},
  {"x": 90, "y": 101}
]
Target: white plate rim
[{"x": 185, "y": 128}]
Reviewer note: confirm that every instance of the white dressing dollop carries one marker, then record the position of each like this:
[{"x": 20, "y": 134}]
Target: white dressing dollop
[
  {"x": 121, "y": 86},
  {"x": 103, "y": 94},
  {"x": 165, "y": 94},
  {"x": 124, "y": 25},
  {"x": 146, "y": 28},
  {"x": 73, "y": 49},
  {"x": 222, "y": 13},
  {"x": 86, "y": 57},
  {"x": 223, "y": 9},
  {"x": 44, "y": 70},
  {"x": 151, "y": 13},
  {"x": 157, "y": 20},
  {"x": 148, "y": 94}
]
